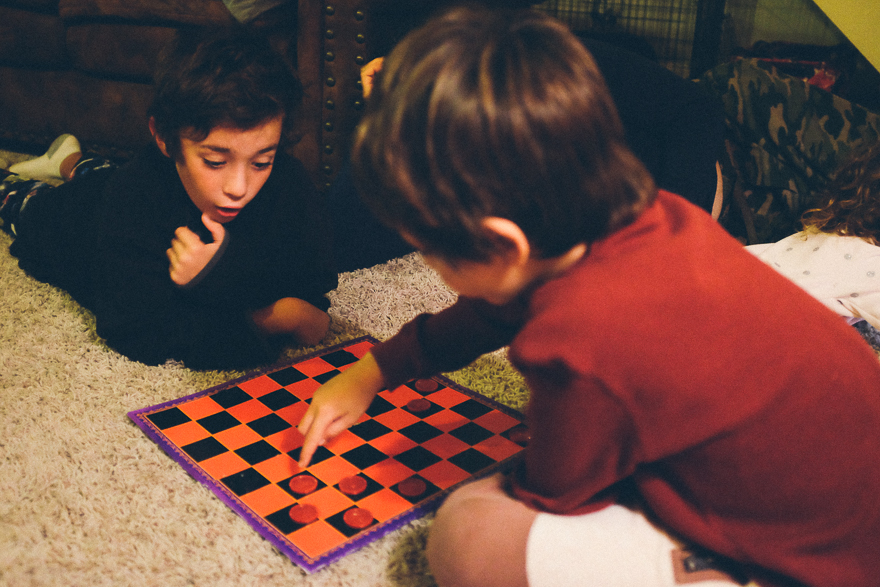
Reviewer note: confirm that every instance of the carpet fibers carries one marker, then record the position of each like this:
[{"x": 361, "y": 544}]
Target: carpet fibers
[{"x": 87, "y": 499}]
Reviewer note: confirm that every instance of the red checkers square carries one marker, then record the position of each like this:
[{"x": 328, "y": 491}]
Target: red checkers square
[{"x": 414, "y": 445}]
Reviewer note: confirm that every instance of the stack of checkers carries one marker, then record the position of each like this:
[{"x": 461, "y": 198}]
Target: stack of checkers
[{"x": 414, "y": 445}]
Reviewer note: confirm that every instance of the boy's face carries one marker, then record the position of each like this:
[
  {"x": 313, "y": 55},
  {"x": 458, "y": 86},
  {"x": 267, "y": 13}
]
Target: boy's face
[{"x": 223, "y": 172}]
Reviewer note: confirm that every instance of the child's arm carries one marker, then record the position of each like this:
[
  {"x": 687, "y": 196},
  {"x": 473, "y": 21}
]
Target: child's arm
[
  {"x": 338, "y": 404},
  {"x": 293, "y": 316}
]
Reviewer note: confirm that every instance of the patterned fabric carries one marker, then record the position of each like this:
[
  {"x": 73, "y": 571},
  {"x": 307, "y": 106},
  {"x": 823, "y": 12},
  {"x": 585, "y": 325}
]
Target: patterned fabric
[
  {"x": 785, "y": 138},
  {"x": 15, "y": 190}
]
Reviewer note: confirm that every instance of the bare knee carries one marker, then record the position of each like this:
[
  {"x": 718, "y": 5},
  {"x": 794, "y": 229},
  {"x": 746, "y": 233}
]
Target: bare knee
[{"x": 478, "y": 538}]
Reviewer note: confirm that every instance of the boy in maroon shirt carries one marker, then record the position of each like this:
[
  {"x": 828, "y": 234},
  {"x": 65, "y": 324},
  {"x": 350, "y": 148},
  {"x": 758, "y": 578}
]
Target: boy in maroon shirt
[{"x": 695, "y": 417}]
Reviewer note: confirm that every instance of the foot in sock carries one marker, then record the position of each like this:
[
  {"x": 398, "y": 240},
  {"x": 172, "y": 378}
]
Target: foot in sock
[{"x": 56, "y": 163}]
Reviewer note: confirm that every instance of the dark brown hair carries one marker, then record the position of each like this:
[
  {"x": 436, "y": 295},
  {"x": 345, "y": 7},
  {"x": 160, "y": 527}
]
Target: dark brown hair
[
  {"x": 212, "y": 78},
  {"x": 496, "y": 113},
  {"x": 853, "y": 198}
]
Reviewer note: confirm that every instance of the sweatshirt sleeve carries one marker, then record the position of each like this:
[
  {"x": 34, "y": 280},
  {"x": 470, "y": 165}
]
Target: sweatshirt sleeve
[{"x": 448, "y": 340}]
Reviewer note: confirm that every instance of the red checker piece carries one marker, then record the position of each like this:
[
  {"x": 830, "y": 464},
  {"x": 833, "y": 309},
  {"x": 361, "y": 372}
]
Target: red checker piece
[
  {"x": 418, "y": 405},
  {"x": 357, "y": 518},
  {"x": 352, "y": 485},
  {"x": 426, "y": 385},
  {"x": 520, "y": 435},
  {"x": 303, "y": 513},
  {"x": 412, "y": 487},
  {"x": 303, "y": 484}
]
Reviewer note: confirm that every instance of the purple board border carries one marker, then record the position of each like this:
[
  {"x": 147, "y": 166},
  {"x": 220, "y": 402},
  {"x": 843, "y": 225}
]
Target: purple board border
[{"x": 264, "y": 528}]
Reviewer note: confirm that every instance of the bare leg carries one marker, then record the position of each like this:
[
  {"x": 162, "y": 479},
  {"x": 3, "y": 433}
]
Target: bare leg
[{"x": 479, "y": 537}]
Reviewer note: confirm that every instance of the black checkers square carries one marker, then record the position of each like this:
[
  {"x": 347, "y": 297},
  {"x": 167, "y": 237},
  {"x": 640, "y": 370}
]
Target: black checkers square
[
  {"x": 379, "y": 406},
  {"x": 278, "y": 399},
  {"x": 231, "y": 397},
  {"x": 364, "y": 456},
  {"x": 257, "y": 452},
  {"x": 325, "y": 377},
  {"x": 168, "y": 418},
  {"x": 287, "y": 376},
  {"x": 471, "y": 409},
  {"x": 218, "y": 422},
  {"x": 204, "y": 449},
  {"x": 340, "y": 358},
  {"x": 281, "y": 520},
  {"x": 369, "y": 430},
  {"x": 418, "y": 458},
  {"x": 269, "y": 425},
  {"x": 338, "y": 522},
  {"x": 471, "y": 433},
  {"x": 244, "y": 482},
  {"x": 472, "y": 461},
  {"x": 321, "y": 454},
  {"x": 420, "y": 432}
]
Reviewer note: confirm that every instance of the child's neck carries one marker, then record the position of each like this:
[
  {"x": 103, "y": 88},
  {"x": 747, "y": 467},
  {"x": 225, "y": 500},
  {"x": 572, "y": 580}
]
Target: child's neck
[{"x": 542, "y": 270}]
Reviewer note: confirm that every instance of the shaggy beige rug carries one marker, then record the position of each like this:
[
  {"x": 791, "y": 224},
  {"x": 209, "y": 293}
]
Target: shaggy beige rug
[{"x": 86, "y": 499}]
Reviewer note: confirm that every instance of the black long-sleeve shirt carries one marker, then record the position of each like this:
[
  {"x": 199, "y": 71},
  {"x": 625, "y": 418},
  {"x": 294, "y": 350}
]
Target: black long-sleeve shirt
[{"x": 104, "y": 238}]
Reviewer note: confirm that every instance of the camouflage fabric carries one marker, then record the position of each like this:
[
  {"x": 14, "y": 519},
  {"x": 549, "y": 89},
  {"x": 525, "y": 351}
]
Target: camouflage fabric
[{"x": 785, "y": 138}]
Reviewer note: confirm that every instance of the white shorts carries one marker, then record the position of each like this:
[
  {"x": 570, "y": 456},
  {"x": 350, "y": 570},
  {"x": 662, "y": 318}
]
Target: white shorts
[{"x": 613, "y": 547}]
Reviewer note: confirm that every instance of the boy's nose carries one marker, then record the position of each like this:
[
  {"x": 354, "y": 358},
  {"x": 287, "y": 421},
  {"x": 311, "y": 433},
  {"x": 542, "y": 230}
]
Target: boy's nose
[{"x": 235, "y": 184}]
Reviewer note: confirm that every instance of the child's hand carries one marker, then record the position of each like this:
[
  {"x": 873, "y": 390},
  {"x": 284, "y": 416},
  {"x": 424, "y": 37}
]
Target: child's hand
[
  {"x": 338, "y": 404},
  {"x": 293, "y": 316},
  {"x": 368, "y": 73},
  {"x": 188, "y": 255}
]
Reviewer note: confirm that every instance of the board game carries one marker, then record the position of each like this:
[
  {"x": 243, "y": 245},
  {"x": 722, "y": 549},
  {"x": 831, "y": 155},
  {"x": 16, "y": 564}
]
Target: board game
[{"x": 414, "y": 445}]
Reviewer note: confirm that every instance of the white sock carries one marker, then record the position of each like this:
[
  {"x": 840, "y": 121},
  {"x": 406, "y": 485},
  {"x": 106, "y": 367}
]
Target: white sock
[{"x": 48, "y": 165}]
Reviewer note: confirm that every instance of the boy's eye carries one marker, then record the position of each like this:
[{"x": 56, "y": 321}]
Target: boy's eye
[
  {"x": 262, "y": 164},
  {"x": 214, "y": 164}
]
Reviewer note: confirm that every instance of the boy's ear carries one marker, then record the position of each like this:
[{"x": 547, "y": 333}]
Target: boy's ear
[
  {"x": 515, "y": 248},
  {"x": 159, "y": 142}
]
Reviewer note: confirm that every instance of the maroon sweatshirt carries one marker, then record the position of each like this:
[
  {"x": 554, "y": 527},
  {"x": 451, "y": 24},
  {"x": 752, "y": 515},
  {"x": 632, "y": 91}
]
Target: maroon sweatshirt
[{"x": 744, "y": 413}]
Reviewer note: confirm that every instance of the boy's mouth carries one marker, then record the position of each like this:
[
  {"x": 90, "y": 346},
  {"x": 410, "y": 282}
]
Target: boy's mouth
[{"x": 228, "y": 212}]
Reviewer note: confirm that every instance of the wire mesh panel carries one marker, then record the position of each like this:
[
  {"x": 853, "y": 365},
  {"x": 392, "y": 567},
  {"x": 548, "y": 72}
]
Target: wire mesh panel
[{"x": 667, "y": 25}]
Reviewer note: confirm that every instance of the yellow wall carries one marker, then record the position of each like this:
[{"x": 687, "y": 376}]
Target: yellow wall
[{"x": 859, "y": 21}]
